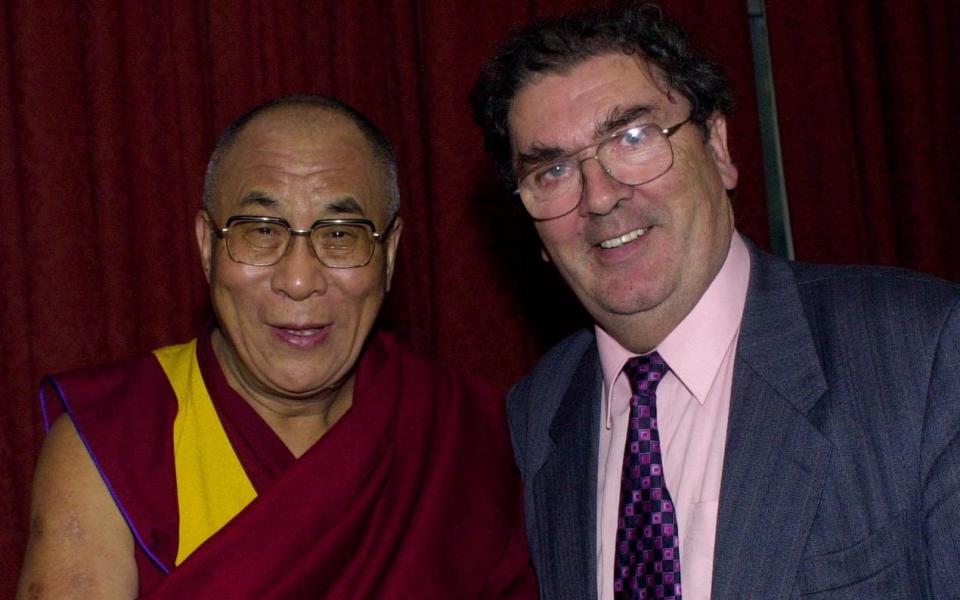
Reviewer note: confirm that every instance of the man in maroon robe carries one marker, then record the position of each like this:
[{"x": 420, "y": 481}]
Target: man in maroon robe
[{"x": 290, "y": 451}]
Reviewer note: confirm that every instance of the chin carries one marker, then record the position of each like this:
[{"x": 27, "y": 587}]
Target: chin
[
  {"x": 624, "y": 299},
  {"x": 305, "y": 389},
  {"x": 303, "y": 381},
  {"x": 626, "y": 307}
]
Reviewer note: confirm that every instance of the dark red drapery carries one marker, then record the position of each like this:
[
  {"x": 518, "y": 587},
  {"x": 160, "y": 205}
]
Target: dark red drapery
[
  {"x": 109, "y": 108},
  {"x": 868, "y": 96}
]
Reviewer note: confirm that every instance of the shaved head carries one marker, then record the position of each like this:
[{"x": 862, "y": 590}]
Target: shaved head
[{"x": 302, "y": 105}]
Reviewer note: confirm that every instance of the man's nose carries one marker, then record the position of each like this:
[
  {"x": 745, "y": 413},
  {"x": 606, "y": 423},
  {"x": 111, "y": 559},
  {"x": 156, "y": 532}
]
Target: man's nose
[
  {"x": 299, "y": 274},
  {"x": 600, "y": 191}
]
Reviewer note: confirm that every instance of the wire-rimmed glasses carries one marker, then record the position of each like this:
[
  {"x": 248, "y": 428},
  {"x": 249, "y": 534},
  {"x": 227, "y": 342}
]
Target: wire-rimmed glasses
[{"x": 633, "y": 156}]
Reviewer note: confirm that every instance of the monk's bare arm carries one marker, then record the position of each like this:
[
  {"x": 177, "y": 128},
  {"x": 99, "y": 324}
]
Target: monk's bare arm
[{"x": 79, "y": 544}]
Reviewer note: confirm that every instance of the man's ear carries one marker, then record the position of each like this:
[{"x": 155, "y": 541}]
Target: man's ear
[
  {"x": 717, "y": 142},
  {"x": 203, "y": 228},
  {"x": 393, "y": 242},
  {"x": 544, "y": 255}
]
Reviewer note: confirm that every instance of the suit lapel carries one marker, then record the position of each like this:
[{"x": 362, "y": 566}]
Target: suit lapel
[
  {"x": 565, "y": 488},
  {"x": 775, "y": 459}
]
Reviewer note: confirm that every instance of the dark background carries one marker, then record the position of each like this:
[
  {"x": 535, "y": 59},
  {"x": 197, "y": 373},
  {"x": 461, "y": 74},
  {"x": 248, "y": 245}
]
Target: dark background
[{"x": 108, "y": 110}]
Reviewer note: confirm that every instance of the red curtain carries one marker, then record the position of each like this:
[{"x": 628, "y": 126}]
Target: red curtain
[
  {"x": 868, "y": 95},
  {"x": 108, "y": 110}
]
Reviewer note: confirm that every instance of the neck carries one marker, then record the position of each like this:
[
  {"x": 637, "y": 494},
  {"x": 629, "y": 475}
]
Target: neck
[
  {"x": 642, "y": 331},
  {"x": 299, "y": 421}
]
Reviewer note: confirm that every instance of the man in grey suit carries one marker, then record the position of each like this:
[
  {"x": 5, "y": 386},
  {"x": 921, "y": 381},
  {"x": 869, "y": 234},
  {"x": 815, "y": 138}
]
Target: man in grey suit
[{"x": 735, "y": 425}]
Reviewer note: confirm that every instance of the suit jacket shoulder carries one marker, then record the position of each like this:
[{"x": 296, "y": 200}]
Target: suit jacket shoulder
[
  {"x": 534, "y": 400},
  {"x": 883, "y": 324},
  {"x": 842, "y": 469},
  {"x": 882, "y": 294}
]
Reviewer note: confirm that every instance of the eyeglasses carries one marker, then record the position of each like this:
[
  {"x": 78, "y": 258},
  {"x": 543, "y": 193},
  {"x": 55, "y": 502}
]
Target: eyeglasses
[
  {"x": 633, "y": 156},
  {"x": 337, "y": 243}
]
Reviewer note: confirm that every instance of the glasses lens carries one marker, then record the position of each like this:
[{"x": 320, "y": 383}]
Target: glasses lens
[
  {"x": 638, "y": 155},
  {"x": 343, "y": 246},
  {"x": 257, "y": 243},
  {"x": 550, "y": 190}
]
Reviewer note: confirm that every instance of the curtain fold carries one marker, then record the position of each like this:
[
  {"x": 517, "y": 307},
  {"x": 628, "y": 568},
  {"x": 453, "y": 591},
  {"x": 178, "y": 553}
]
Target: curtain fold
[{"x": 867, "y": 95}]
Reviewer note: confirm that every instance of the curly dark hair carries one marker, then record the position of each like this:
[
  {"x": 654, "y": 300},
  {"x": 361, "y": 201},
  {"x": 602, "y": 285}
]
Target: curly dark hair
[{"x": 557, "y": 44}]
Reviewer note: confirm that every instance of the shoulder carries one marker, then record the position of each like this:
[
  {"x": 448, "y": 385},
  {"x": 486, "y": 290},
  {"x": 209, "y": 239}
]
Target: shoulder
[
  {"x": 868, "y": 321},
  {"x": 100, "y": 392},
  {"x": 113, "y": 373},
  {"x": 834, "y": 296},
  {"x": 78, "y": 536},
  {"x": 535, "y": 399},
  {"x": 876, "y": 295},
  {"x": 886, "y": 281},
  {"x": 428, "y": 370},
  {"x": 445, "y": 411},
  {"x": 554, "y": 371},
  {"x": 425, "y": 379},
  {"x": 116, "y": 376}
]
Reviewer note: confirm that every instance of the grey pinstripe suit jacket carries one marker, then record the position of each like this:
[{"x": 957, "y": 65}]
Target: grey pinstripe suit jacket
[{"x": 842, "y": 469}]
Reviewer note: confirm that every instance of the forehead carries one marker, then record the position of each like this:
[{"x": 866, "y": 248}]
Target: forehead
[
  {"x": 301, "y": 158},
  {"x": 564, "y": 109}
]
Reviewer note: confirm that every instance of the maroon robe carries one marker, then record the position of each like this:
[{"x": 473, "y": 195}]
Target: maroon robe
[{"x": 412, "y": 494}]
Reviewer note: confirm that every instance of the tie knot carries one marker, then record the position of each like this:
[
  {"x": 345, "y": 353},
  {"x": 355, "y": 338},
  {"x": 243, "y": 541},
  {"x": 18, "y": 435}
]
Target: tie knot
[{"x": 644, "y": 372}]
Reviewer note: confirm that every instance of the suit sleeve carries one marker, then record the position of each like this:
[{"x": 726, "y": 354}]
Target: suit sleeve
[
  {"x": 516, "y": 418},
  {"x": 940, "y": 470}
]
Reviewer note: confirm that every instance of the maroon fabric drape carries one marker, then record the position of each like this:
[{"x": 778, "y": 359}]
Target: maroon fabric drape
[
  {"x": 868, "y": 95},
  {"x": 366, "y": 499},
  {"x": 108, "y": 110}
]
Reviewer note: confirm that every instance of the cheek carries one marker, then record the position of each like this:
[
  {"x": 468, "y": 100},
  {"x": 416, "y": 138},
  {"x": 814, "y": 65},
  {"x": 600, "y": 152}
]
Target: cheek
[
  {"x": 357, "y": 292},
  {"x": 558, "y": 236},
  {"x": 692, "y": 196},
  {"x": 700, "y": 171},
  {"x": 236, "y": 289},
  {"x": 367, "y": 290}
]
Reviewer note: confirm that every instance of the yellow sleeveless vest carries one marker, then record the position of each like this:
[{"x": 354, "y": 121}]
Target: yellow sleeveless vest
[{"x": 212, "y": 486}]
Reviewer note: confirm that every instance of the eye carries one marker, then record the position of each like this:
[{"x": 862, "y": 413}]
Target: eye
[
  {"x": 633, "y": 145},
  {"x": 635, "y": 137},
  {"x": 553, "y": 174},
  {"x": 338, "y": 238},
  {"x": 261, "y": 235},
  {"x": 334, "y": 234}
]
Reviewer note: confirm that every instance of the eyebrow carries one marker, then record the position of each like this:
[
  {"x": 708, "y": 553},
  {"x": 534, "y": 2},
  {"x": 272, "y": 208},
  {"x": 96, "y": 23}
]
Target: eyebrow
[
  {"x": 342, "y": 205},
  {"x": 258, "y": 199},
  {"x": 617, "y": 118},
  {"x": 346, "y": 204},
  {"x": 536, "y": 155}
]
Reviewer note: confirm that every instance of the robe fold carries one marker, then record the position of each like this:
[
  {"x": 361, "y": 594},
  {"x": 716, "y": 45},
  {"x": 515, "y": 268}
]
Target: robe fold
[{"x": 412, "y": 494}]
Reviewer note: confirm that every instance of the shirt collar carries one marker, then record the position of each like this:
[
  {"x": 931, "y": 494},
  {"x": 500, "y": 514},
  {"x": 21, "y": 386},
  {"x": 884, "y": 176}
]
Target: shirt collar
[{"x": 694, "y": 350}]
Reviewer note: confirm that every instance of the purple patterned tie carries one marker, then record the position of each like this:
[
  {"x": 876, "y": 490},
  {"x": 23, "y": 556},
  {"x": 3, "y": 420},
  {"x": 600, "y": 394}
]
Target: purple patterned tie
[{"x": 648, "y": 551}]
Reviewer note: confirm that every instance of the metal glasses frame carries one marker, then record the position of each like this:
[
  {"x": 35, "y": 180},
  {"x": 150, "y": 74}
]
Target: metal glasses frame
[
  {"x": 666, "y": 132},
  {"x": 378, "y": 237}
]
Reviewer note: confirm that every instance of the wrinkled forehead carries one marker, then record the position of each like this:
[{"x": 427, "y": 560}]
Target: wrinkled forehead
[
  {"x": 295, "y": 152},
  {"x": 569, "y": 106}
]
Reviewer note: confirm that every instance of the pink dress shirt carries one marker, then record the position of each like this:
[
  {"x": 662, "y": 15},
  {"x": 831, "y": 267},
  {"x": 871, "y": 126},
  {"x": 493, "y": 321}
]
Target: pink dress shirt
[{"x": 693, "y": 402}]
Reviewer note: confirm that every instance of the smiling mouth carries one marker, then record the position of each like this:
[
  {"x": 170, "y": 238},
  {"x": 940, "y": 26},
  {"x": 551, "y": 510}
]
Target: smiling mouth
[
  {"x": 302, "y": 337},
  {"x": 623, "y": 239},
  {"x": 302, "y": 332}
]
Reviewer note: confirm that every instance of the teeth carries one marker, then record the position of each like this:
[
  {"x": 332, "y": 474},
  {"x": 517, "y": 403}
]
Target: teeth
[
  {"x": 302, "y": 332},
  {"x": 623, "y": 239}
]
